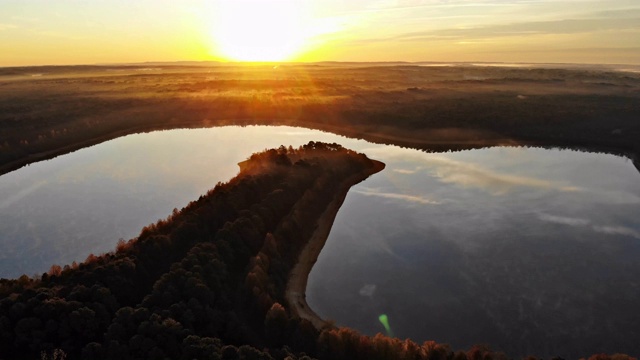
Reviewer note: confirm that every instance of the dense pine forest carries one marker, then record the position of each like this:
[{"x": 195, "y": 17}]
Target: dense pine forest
[{"x": 209, "y": 281}]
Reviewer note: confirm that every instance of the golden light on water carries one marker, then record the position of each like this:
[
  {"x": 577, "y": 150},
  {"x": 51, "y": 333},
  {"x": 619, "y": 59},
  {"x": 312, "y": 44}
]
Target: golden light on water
[{"x": 252, "y": 30}]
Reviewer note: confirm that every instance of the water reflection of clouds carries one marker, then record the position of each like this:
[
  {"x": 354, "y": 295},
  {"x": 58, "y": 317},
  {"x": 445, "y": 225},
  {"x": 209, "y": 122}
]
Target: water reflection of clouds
[
  {"x": 107, "y": 169},
  {"x": 617, "y": 230},
  {"x": 406, "y": 171},
  {"x": 579, "y": 222},
  {"x": 563, "y": 220},
  {"x": 417, "y": 199},
  {"x": 368, "y": 290},
  {"x": 19, "y": 195},
  {"x": 472, "y": 175},
  {"x": 616, "y": 197}
]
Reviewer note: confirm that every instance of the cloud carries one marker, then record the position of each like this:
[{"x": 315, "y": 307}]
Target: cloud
[
  {"x": 602, "y": 21},
  {"x": 469, "y": 175},
  {"x": 368, "y": 290},
  {"x": 26, "y": 19},
  {"x": 405, "y": 171},
  {"x": 386, "y": 5},
  {"x": 57, "y": 34},
  {"x": 616, "y": 14},
  {"x": 617, "y": 197},
  {"x": 395, "y": 196},
  {"x": 7, "y": 27},
  {"x": 473, "y": 176},
  {"x": 563, "y": 220},
  {"x": 578, "y": 222},
  {"x": 555, "y": 27},
  {"x": 617, "y": 230},
  {"x": 621, "y": 50},
  {"x": 21, "y": 194}
]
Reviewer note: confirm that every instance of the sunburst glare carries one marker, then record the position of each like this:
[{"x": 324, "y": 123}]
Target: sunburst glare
[{"x": 252, "y": 30}]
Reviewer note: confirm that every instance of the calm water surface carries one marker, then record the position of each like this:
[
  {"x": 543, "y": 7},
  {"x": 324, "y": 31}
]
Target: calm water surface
[
  {"x": 531, "y": 250},
  {"x": 61, "y": 210}
]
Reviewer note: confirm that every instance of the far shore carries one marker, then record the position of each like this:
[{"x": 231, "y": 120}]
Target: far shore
[
  {"x": 429, "y": 140},
  {"x": 427, "y": 108},
  {"x": 408, "y": 139},
  {"x": 295, "y": 293}
]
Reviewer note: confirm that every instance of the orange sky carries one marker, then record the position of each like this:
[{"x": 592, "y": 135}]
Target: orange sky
[{"x": 38, "y": 32}]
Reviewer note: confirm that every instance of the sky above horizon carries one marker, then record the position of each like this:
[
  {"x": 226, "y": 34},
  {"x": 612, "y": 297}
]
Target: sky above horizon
[{"x": 41, "y": 32}]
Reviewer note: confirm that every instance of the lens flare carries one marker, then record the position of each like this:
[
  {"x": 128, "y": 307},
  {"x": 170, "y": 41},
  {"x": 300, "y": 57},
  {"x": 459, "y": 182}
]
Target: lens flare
[{"x": 384, "y": 320}]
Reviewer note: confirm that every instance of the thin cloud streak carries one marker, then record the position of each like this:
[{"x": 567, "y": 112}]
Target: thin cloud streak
[
  {"x": 21, "y": 194},
  {"x": 472, "y": 176},
  {"x": 405, "y": 171},
  {"x": 506, "y": 32},
  {"x": 386, "y": 6},
  {"x": 569, "y": 221},
  {"x": 617, "y": 230},
  {"x": 7, "y": 27},
  {"x": 585, "y": 223},
  {"x": 556, "y": 27},
  {"x": 416, "y": 199},
  {"x": 618, "y": 197}
]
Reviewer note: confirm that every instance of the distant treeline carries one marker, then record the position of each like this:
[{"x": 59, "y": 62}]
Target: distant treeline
[
  {"x": 206, "y": 283},
  {"x": 433, "y": 109}
]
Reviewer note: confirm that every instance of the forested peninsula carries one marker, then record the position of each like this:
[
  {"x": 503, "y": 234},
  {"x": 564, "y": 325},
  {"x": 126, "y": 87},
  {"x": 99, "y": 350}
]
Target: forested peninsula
[{"x": 208, "y": 282}]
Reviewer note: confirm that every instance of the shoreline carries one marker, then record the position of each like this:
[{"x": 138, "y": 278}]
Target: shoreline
[
  {"x": 295, "y": 293},
  {"x": 429, "y": 139},
  {"x": 356, "y": 133}
]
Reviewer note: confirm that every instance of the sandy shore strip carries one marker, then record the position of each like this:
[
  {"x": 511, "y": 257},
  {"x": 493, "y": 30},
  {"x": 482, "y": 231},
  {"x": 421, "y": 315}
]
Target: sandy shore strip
[{"x": 295, "y": 293}]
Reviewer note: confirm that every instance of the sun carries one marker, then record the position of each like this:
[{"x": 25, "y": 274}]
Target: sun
[{"x": 254, "y": 30}]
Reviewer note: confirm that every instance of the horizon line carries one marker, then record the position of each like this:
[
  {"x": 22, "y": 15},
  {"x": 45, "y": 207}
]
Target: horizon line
[{"x": 264, "y": 63}]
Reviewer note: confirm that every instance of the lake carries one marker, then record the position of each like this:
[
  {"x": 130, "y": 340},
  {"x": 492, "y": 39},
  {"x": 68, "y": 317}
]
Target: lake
[{"x": 530, "y": 250}]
